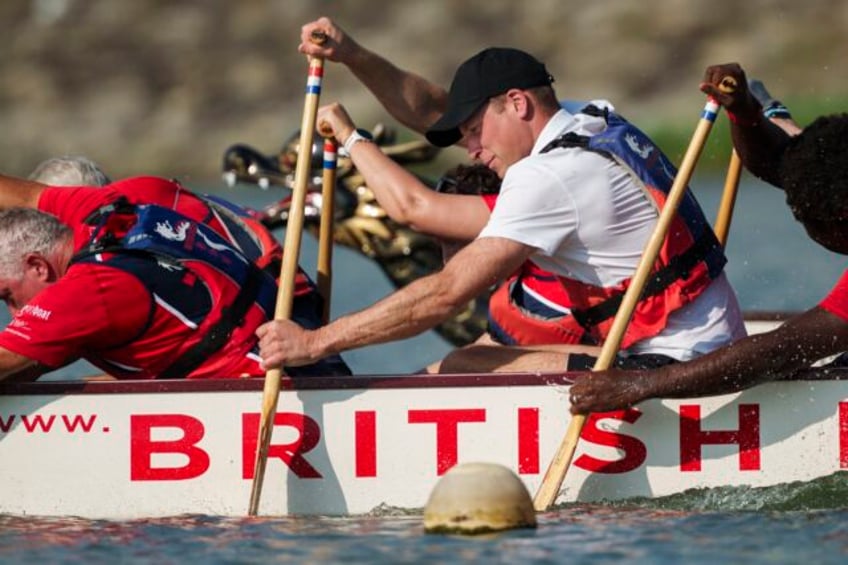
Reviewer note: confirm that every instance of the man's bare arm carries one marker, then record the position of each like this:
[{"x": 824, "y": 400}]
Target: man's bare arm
[
  {"x": 758, "y": 358},
  {"x": 408, "y": 201},
  {"x": 409, "y": 98},
  {"x": 411, "y": 310},
  {"x": 404, "y": 197},
  {"x": 18, "y": 368},
  {"x": 759, "y": 142},
  {"x": 761, "y": 149},
  {"x": 15, "y": 192}
]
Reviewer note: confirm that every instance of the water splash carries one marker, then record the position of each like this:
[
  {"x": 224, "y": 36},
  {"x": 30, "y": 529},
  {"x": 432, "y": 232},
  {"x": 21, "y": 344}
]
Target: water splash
[{"x": 825, "y": 493}]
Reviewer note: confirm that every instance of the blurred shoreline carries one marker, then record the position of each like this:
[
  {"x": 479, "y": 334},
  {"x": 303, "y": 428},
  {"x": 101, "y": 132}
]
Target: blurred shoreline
[{"x": 165, "y": 87}]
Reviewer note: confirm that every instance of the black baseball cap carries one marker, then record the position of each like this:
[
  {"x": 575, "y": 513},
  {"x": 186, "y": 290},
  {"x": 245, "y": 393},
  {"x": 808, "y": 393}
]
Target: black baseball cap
[{"x": 490, "y": 72}]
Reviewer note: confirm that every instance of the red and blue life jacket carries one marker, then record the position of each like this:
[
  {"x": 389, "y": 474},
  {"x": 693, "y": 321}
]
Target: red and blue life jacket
[
  {"x": 194, "y": 273},
  {"x": 259, "y": 245},
  {"x": 686, "y": 264}
]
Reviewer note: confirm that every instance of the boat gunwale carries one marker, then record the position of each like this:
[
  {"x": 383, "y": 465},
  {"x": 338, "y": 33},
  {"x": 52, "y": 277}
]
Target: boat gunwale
[
  {"x": 464, "y": 380},
  {"x": 379, "y": 381},
  {"x": 415, "y": 381}
]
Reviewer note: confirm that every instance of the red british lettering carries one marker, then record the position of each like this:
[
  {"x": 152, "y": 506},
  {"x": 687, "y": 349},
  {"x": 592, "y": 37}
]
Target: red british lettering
[
  {"x": 747, "y": 437},
  {"x": 6, "y": 423},
  {"x": 447, "y": 431},
  {"x": 31, "y": 423},
  {"x": 634, "y": 450},
  {"x": 308, "y": 436},
  {"x": 71, "y": 423},
  {"x": 528, "y": 441},
  {"x": 366, "y": 443},
  {"x": 37, "y": 423},
  {"x": 843, "y": 435},
  {"x": 143, "y": 447}
]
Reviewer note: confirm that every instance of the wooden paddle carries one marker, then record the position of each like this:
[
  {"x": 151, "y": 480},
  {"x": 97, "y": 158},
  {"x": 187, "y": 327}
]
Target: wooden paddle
[
  {"x": 728, "y": 198},
  {"x": 288, "y": 270},
  {"x": 554, "y": 476},
  {"x": 731, "y": 182},
  {"x": 325, "y": 233}
]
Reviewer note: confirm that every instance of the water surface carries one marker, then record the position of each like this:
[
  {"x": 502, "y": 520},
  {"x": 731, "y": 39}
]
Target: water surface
[{"x": 773, "y": 266}]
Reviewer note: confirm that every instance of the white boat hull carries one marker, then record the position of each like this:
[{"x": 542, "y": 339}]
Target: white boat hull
[{"x": 348, "y": 446}]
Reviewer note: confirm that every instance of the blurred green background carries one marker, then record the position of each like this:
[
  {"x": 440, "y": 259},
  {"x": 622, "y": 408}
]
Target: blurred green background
[{"x": 165, "y": 86}]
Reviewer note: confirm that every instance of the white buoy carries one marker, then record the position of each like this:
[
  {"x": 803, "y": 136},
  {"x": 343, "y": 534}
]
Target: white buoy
[{"x": 476, "y": 498}]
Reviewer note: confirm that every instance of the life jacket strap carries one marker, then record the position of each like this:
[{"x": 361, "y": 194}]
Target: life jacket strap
[
  {"x": 678, "y": 267},
  {"x": 255, "y": 280},
  {"x": 231, "y": 317}
]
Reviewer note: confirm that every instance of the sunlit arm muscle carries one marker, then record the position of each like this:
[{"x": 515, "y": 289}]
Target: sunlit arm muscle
[
  {"x": 16, "y": 192},
  {"x": 430, "y": 300},
  {"x": 408, "y": 201},
  {"x": 411, "y": 310},
  {"x": 409, "y": 98}
]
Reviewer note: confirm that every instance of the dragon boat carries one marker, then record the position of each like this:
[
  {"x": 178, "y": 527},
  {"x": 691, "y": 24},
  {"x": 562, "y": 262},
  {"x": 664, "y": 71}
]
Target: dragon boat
[{"x": 355, "y": 445}]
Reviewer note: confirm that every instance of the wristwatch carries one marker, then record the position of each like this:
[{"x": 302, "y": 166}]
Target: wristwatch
[{"x": 355, "y": 137}]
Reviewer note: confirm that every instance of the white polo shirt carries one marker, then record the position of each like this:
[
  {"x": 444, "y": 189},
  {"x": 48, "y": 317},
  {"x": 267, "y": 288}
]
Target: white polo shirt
[{"x": 589, "y": 220}]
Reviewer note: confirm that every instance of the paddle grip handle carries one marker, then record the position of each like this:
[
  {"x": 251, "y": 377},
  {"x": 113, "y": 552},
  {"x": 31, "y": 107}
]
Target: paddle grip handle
[{"x": 728, "y": 84}]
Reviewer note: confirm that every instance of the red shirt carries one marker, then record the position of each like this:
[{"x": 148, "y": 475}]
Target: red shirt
[
  {"x": 100, "y": 313},
  {"x": 72, "y": 205},
  {"x": 837, "y": 301}
]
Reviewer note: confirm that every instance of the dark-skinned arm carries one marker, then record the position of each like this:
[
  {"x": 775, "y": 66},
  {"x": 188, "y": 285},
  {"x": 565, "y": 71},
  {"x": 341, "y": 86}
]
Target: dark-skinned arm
[
  {"x": 759, "y": 142},
  {"x": 769, "y": 356}
]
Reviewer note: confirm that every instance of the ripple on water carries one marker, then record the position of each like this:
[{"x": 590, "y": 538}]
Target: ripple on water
[{"x": 781, "y": 524}]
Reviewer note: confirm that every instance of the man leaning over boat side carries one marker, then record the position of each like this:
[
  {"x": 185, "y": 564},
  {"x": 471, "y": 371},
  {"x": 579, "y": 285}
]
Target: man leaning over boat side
[
  {"x": 812, "y": 168},
  {"x": 575, "y": 212},
  {"x": 80, "y": 283}
]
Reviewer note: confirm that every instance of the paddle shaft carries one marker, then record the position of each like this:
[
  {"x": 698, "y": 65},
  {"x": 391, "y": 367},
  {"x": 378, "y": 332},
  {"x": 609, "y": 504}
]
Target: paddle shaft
[
  {"x": 728, "y": 198},
  {"x": 325, "y": 233},
  {"x": 554, "y": 476},
  {"x": 288, "y": 270},
  {"x": 731, "y": 182}
]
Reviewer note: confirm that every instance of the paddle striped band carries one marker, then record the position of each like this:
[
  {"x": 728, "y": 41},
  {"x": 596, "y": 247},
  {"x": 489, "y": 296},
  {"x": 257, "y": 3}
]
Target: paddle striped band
[
  {"x": 329, "y": 154},
  {"x": 710, "y": 110},
  {"x": 313, "y": 79}
]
